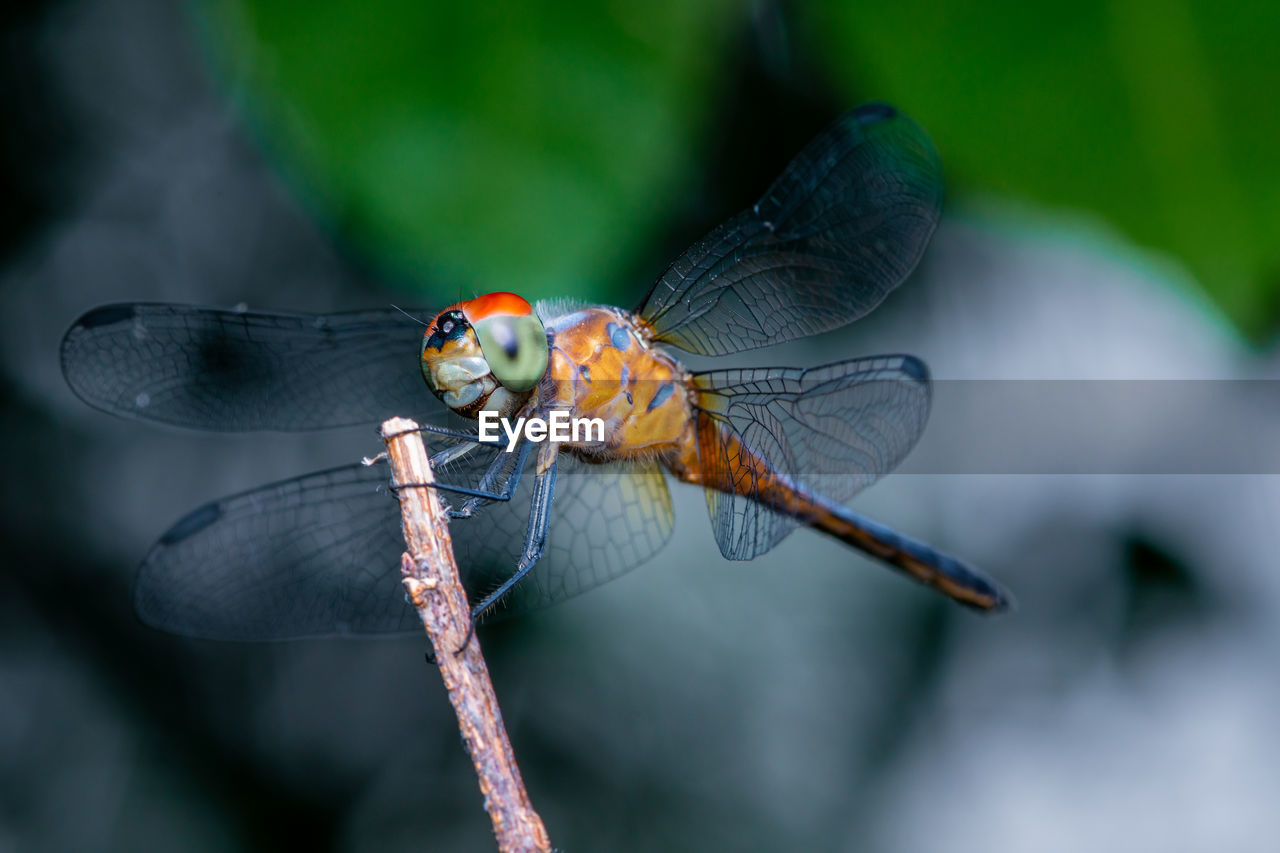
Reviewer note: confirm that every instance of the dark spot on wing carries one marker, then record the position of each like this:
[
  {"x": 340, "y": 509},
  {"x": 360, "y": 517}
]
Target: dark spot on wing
[
  {"x": 192, "y": 524},
  {"x": 875, "y": 113},
  {"x": 106, "y": 316},
  {"x": 915, "y": 368},
  {"x": 663, "y": 394}
]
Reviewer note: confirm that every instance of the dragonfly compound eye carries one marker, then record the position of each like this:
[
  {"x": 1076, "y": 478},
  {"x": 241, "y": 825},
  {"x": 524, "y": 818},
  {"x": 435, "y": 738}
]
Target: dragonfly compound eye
[{"x": 515, "y": 346}]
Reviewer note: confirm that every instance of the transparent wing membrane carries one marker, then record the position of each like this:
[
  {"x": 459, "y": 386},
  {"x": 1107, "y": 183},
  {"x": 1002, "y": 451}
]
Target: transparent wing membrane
[
  {"x": 833, "y": 430},
  {"x": 606, "y": 520},
  {"x": 320, "y": 554},
  {"x": 844, "y": 224},
  {"x": 232, "y": 371},
  {"x": 310, "y": 556}
]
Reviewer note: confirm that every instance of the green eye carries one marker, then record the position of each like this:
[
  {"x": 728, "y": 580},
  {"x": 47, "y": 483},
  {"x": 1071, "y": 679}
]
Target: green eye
[{"x": 515, "y": 347}]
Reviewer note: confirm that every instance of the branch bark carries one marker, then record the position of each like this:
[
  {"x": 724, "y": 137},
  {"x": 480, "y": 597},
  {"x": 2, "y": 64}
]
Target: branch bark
[{"x": 432, "y": 582}]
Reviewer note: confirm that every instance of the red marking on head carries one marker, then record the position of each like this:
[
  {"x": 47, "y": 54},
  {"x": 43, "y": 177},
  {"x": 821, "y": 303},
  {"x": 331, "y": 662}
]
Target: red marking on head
[{"x": 492, "y": 304}]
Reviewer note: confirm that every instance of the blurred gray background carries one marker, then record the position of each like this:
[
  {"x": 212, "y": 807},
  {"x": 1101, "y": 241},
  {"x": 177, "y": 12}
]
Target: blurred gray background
[{"x": 319, "y": 159}]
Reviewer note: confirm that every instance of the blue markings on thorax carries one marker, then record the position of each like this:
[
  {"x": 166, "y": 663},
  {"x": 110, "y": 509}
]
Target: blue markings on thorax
[
  {"x": 619, "y": 336},
  {"x": 661, "y": 396}
]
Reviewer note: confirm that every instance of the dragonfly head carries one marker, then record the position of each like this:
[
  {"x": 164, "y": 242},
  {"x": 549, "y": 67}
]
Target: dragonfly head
[{"x": 485, "y": 354}]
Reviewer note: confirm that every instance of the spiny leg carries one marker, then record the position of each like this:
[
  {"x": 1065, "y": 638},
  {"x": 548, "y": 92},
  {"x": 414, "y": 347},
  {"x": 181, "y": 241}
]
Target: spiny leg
[
  {"x": 503, "y": 464},
  {"x": 445, "y": 432},
  {"x": 479, "y": 497},
  {"x": 484, "y": 491},
  {"x": 535, "y": 540},
  {"x": 511, "y": 464},
  {"x": 443, "y": 457}
]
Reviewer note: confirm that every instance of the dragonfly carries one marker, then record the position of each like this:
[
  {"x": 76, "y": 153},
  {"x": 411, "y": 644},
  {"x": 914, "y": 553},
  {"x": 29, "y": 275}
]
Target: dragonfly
[{"x": 536, "y": 522}]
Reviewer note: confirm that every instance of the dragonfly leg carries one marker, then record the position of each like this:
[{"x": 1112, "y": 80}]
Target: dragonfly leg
[
  {"x": 445, "y": 432},
  {"x": 502, "y": 464},
  {"x": 449, "y": 454},
  {"x": 484, "y": 492},
  {"x": 536, "y": 536},
  {"x": 457, "y": 490}
]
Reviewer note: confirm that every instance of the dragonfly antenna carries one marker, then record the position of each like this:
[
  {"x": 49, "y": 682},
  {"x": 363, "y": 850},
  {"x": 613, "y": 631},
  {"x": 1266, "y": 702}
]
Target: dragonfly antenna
[{"x": 410, "y": 316}]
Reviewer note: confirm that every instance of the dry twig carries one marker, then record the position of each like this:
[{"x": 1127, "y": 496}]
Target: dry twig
[{"x": 432, "y": 582}]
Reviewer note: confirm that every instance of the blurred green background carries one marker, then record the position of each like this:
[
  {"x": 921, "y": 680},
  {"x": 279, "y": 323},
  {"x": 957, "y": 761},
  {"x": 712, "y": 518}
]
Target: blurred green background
[{"x": 539, "y": 146}]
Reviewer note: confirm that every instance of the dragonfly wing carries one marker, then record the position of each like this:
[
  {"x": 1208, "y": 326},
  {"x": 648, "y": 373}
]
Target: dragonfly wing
[
  {"x": 605, "y": 521},
  {"x": 211, "y": 369},
  {"x": 833, "y": 430},
  {"x": 312, "y": 556},
  {"x": 844, "y": 224},
  {"x": 319, "y": 555}
]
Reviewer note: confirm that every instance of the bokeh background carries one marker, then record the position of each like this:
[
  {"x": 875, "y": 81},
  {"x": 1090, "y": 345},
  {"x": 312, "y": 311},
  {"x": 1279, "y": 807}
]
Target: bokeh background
[{"x": 1113, "y": 212}]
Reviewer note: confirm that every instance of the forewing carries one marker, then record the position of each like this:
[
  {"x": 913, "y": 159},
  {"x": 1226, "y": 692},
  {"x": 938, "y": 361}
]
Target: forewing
[
  {"x": 832, "y": 430},
  {"x": 844, "y": 224},
  {"x": 211, "y": 369},
  {"x": 320, "y": 554}
]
